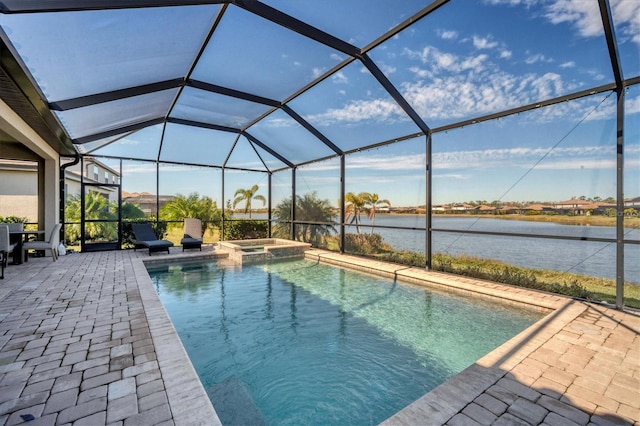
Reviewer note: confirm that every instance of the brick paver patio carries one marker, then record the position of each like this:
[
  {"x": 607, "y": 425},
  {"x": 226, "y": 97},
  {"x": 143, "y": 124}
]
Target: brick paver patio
[{"x": 86, "y": 341}]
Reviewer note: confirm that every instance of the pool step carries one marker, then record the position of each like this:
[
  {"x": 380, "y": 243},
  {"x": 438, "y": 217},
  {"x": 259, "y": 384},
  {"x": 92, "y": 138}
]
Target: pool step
[{"x": 234, "y": 404}]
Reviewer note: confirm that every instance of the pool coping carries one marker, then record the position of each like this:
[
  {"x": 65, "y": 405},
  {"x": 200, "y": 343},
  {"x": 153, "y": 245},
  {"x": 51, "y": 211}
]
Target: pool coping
[
  {"x": 191, "y": 405},
  {"x": 187, "y": 397}
]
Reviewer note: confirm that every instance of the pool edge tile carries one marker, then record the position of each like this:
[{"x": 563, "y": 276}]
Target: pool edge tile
[{"x": 188, "y": 399}]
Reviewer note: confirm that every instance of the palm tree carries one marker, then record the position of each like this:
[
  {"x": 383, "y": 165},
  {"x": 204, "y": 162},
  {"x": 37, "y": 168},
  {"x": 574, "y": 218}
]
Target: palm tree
[
  {"x": 247, "y": 195},
  {"x": 373, "y": 201},
  {"x": 308, "y": 208},
  {"x": 313, "y": 209},
  {"x": 354, "y": 205},
  {"x": 96, "y": 208}
]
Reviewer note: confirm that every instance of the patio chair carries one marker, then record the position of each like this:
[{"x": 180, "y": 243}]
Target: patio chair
[
  {"x": 5, "y": 248},
  {"x": 50, "y": 244},
  {"x": 192, "y": 234},
  {"x": 145, "y": 237}
]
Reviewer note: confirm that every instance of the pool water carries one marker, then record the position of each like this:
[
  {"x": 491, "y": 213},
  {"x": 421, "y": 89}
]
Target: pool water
[{"x": 303, "y": 343}]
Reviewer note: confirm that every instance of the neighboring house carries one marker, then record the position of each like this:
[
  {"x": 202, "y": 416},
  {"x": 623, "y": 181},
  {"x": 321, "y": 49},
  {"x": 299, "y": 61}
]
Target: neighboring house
[
  {"x": 509, "y": 210},
  {"x": 484, "y": 209},
  {"x": 632, "y": 203},
  {"x": 93, "y": 172},
  {"x": 146, "y": 201},
  {"x": 539, "y": 208},
  {"x": 575, "y": 206},
  {"x": 19, "y": 185}
]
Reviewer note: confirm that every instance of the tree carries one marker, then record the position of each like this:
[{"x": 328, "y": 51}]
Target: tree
[
  {"x": 203, "y": 208},
  {"x": 354, "y": 205},
  {"x": 132, "y": 211},
  {"x": 309, "y": 208},
  {"x": 96, "y": 207},
  {"x": 247, "y": 195},
  {"x": 373, "y": 201}
]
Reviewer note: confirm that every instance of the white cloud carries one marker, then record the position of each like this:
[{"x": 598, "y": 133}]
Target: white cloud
[
  {"x": 632, "y": 105},
  {"x": 584, "y": 15},
  {"x": 448, "y": 176},
  {"x": 340, "y": 78},
  {"x": 443, "y": 61},
  {"x": 419, "y": 72},
  {"x": 385, "y": 162},
  {"x": 505, "y": 54},
  {"x": 574, "y": 157},
  {"x": 483, "y": 43},
  {"x": 626, "y": 15},
  {"x": 448, "y": 34},
  {"x": 512, "y": 2},
  {"x": 538, "y": 57},
  {"x": 568, "y": 64},
  {"x": 387, "y": 69},
  {"x": 317, "y": 72},
  {"x": 359, "y": 110}
]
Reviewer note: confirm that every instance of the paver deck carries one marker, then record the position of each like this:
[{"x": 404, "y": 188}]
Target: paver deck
[{"x": 86, "y": 341}]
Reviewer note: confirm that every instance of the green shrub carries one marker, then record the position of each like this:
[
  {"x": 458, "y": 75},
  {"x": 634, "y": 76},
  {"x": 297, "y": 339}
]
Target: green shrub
[
  {"x": 245, "y": 229},
  {"x": 13, "y": 219},
  {"x": 363, "y": 243}
]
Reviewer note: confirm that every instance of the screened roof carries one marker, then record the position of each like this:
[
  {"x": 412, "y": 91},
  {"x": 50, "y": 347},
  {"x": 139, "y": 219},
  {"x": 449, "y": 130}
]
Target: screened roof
[{"x": 269, "y": 85}]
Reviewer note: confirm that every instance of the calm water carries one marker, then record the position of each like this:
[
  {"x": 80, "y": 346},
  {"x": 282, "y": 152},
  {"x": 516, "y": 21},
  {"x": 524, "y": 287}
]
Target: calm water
[
  {"x": 580, "y": 257},
  {"x": 298, "y": 343}
]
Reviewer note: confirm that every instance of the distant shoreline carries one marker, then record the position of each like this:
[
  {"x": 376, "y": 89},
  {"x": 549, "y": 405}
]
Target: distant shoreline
[
  {"x": 629, "y": 222},
  {"x": 593, "y": 220}
]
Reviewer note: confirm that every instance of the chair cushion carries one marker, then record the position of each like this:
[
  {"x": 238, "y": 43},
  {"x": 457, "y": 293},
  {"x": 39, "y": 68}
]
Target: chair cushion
[
  {"x": 156, "y": 244},
  {"x": 37, "y": 245},
  {"x": 190, "y": 241}
]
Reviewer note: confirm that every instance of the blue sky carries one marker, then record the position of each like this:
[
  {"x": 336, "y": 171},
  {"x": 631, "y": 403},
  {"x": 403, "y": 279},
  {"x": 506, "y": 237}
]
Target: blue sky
[{"x": 467, "y": 59}]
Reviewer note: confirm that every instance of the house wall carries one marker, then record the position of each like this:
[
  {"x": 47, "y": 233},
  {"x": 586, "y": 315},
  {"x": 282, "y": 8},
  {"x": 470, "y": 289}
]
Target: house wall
[{"x": 30, "y": 146}]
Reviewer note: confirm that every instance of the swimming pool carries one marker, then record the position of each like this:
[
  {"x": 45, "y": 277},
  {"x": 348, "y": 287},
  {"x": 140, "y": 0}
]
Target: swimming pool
[{"x": 299, "y": 342}]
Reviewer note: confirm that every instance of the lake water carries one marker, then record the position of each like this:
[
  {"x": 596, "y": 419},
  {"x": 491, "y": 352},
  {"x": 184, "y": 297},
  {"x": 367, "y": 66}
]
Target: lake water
[{"x": 581, "y": 257}]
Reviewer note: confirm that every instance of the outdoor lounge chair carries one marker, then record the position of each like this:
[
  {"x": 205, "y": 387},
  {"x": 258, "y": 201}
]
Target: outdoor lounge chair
[
  {"x": 144, "y": 237},
  {"x": 50, "y": 244},
  {"x": 5, "y": 248},
  {"x": 192, "y": 234}
]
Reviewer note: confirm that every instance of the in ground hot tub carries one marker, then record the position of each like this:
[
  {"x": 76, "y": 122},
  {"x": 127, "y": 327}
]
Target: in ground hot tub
[{"x": 259, "y": 250}]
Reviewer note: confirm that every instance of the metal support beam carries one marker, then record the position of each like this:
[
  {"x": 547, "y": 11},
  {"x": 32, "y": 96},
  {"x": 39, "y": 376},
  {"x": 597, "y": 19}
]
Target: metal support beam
[
  {"x": 311, "y": 129},
  {"x": 202, "y": 125},
  {"x": 38, "y": 6},
  {"x": 429, "y": 202},
  {"x": 287, "y": 21},
  {"x": 268, "y": 149},
  {"x": 612, "y": 45},
  {"x": 214, "y": 88},
  {"x": 118, "y": 131},
  {"x": 616, "y": 67},
  {"x": 269, "y": 206},
  {"x": 342, "y": 203},
  {"x": 395, "y": 94},
  {"x": 222, "y": 224},
  {"x": 114, "y": 95},
  {"x": 157, "y": 195},
  {"x": 620, "y": 201},
  {"x": 293, "y": 204}
]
